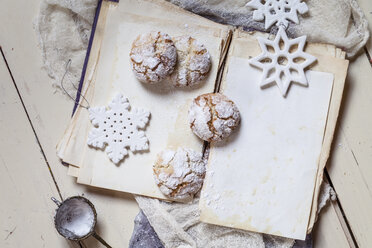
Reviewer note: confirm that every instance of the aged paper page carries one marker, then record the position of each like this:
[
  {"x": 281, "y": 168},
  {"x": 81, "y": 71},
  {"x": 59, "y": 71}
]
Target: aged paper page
[
  {"x": 262, "y": 178},
  {"x": 330, "y": 60},
  {"x": 168, "y": 126}
]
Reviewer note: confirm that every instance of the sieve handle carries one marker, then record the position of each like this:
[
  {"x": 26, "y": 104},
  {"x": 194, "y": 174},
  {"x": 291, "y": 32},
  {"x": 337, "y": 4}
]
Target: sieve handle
[
  {"x": 58, "y": 203},
  {"x": 97, "y": 237}
]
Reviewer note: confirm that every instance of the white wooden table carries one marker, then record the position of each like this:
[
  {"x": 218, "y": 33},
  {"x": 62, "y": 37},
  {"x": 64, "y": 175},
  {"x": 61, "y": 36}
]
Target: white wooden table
[{"x": 33, "y": 117}]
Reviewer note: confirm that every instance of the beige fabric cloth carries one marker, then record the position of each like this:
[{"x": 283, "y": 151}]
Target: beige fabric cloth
[
  {"x": 338, "y": 22},
  {"x": 64, "y": 28}
]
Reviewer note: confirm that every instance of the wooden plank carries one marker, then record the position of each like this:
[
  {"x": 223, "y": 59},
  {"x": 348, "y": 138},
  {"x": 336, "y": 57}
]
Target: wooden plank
[
  {"x": 330, "y": 229},
  {"x": 116, "y": 210},
  {"x": 366, "y": 6},
  {"x": 349, "y": 167},
  {"x": 26, "y": 213},
  {"x": 50, "y": 113}
]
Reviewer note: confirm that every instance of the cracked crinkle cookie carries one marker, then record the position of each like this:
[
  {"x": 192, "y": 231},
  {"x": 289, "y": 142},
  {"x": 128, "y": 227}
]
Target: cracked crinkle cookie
[
  {"x": 153, "y": 57},
  {"x": 213, "y": 116},
  {"x": 179, "y": 174},
  {"x": 194, "y": 62}
]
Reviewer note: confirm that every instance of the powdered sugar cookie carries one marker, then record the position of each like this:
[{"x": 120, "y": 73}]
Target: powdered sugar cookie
[
  {"x": 179, "y": 174},
  {"x": 194, "y": 62},
  {"x": 213, "y": 116},
  {"x": 153, "y": 57}
]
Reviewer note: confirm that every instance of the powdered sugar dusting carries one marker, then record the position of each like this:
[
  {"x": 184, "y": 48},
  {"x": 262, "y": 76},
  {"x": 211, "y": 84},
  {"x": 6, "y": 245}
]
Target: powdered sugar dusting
[
  {"x": 75, "y": 218},
  {"x": 194, "y": 62},
  {"x": 153, "y": 57},
  {"x": 179, "y": 174},
  {"x": 213, "y": 116}
]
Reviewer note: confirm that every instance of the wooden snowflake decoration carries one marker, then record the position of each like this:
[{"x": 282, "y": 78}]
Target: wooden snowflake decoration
[
  {"x": 277, "y": 11},
  {"x": 117, "y": 127},
  {"x": 282, "y": 61}
]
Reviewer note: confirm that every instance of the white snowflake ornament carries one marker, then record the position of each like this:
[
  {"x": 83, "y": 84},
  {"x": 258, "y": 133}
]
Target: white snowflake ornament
[
  {"x": 277, "y": 11},
  {"x": 117, "y": 127},
  {"x": 282, "y": 61}
]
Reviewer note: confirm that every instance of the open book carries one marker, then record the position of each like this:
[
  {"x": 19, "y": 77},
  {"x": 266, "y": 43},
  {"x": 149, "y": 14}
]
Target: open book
[{"x": 266, "y": 177}]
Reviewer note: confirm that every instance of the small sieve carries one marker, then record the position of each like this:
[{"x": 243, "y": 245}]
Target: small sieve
[{"x": 76, "y": 219}]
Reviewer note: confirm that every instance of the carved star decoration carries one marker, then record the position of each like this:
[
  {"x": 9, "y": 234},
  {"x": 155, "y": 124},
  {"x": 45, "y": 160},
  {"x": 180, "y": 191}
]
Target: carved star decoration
[
  {"x": 282, "y": 61},
  {"x": 277, "y": 11}
]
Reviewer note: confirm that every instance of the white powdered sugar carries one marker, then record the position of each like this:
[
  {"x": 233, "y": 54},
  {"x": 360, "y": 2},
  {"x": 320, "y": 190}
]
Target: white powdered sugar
[
  {"x": 75, "y": 218},
  {"x": 194, "y": 62},
  {"x": 179, "y": 174},
  {"x": 153, "y": 57},
  {"x": 82, "y": 224},
  {"x": 213, "y": 116}
]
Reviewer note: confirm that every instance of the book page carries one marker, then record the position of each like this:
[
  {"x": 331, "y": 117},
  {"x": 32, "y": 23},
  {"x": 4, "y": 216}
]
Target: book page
[
  {"x": 168, "y": 127},
  {"x": 262, "y": 178}
]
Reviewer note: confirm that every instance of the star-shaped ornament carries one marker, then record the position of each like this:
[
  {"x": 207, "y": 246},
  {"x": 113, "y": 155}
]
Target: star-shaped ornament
[
  {"x": 277, "y": 11},
  {"x": 282, "y": 61}
]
